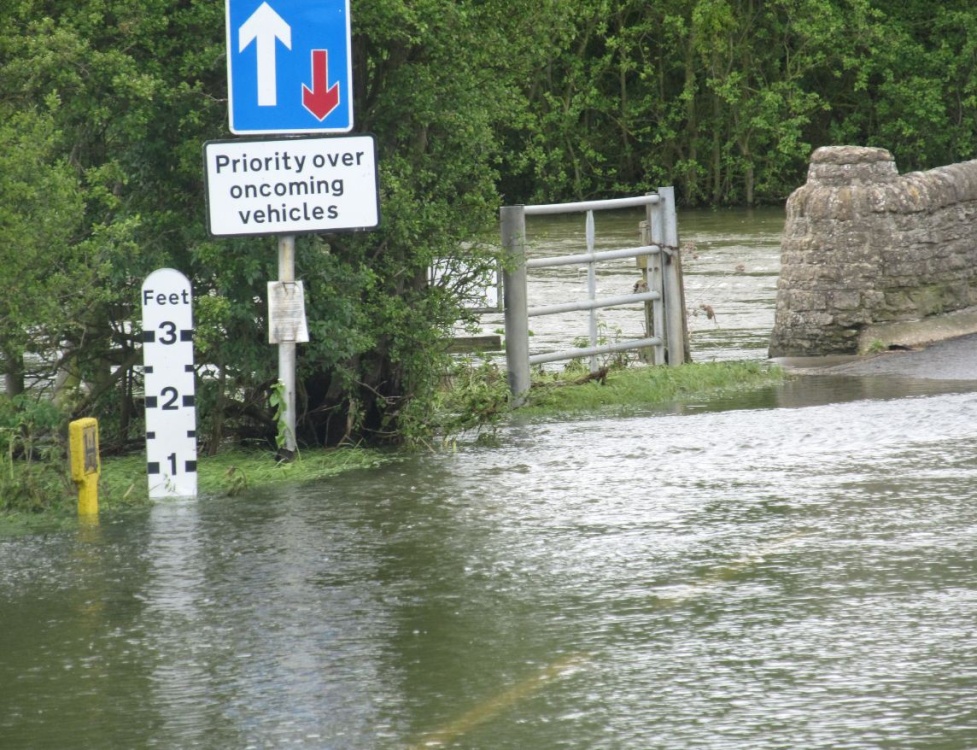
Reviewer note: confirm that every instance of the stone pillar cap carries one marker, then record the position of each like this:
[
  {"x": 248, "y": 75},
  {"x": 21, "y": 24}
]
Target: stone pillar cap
[
  {"x": 850, "y": 155},
  {"x": 846, "y": 165}
]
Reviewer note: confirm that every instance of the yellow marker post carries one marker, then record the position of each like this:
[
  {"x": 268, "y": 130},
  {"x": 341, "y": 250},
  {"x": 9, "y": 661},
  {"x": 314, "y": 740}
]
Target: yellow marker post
[{"x": 85, "y": 463}]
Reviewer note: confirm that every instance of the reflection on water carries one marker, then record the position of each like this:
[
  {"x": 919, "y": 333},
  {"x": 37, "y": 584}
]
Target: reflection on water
[
  {"x": 820, "y": 390},
  {"x": 755, "y": 578}
]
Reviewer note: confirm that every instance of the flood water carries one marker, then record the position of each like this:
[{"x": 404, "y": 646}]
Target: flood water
[
  {"x": 730, "y": 260},
  {"x": 795, "y": 569}
]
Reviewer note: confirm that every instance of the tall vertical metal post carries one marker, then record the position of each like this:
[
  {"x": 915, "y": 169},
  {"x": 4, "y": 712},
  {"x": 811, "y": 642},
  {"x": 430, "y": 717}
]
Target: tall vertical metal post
[
  {"x": 678, "y": 350},
  {"x": 656, "y": 277},
  {"x": 592, "y": 286},
  {"x": 515, "y": 300},
  {"x": 286, "y": 349}
]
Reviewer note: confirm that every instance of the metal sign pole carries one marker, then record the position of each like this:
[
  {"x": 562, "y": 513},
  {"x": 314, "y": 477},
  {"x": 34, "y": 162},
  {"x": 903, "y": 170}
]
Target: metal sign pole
[{"x": 286, "y": 348}]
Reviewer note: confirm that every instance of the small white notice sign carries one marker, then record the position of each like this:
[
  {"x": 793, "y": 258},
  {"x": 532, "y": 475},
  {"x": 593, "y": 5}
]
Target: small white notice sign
[
  {"x": 171, "y": 413},
  {"x": 286, "y": 313},
  {"x": 291, "y": 186}
]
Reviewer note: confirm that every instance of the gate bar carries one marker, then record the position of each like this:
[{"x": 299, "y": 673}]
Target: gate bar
[
  {"x": 566, "y": 260},
  {"x": 593, "y": 304},
  {"x": 620, "y": 346},
  {"x": 565, "y": 208}
]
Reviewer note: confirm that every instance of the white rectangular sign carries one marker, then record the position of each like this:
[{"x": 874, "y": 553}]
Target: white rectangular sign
[
  {"x": 286, "y": 313},
  {"x": 291, "y": 185}
]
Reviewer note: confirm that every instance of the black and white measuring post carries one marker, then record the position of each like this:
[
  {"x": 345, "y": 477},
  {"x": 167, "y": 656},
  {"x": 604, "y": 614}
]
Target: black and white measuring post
[{"x": 170, "y": 384}]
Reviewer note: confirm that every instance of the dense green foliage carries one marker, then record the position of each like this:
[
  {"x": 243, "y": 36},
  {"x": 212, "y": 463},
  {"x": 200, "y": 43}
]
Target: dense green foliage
[
  {"x": 105, "y": 106},
  {"x": 725, "y": 99}
]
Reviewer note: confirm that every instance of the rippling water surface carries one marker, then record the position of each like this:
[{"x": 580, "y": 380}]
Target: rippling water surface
[
  {"x": 759, "y": 578},
  {"x": 797, "y": 569}
]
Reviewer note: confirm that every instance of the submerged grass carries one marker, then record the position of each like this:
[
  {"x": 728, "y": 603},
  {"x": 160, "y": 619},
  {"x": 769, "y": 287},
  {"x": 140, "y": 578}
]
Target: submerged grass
[
  {"x": 122, "y": 484},
  {"x": 123, "y": 480},
  {"x": 479, "y": 399}
]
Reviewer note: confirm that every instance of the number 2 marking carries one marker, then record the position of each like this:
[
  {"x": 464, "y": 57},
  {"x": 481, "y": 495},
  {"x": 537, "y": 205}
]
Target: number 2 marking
[{"x": 174, "y": 395}]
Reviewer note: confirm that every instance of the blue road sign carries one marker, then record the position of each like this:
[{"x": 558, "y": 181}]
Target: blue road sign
[{"x": 289, "y": 66}]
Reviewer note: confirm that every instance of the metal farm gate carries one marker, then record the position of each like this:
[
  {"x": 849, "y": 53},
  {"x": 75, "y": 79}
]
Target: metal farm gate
[{"x": 666, "y": 322}]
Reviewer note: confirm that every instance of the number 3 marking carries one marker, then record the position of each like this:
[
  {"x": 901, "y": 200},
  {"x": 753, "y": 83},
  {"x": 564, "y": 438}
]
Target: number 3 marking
[{"x": 170, "y": 336}]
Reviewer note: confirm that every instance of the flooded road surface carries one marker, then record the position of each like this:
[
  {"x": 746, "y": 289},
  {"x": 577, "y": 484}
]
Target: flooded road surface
[
  {"x": 792, "y": 568},
  {"x": 952, "y": 359},
  {"x": 749, "y": 578}
]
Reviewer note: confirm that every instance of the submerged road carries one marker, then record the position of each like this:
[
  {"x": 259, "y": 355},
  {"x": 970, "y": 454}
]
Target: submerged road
[{"x": 952, "y": 359}]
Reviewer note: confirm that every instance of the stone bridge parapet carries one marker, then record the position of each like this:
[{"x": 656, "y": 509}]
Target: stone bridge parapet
[{"x": 866, "y": 250}]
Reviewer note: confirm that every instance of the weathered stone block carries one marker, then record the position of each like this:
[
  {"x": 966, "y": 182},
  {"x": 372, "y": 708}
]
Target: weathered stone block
[
  {"x": 863, "y": 244},
  {"x": 845, "y": 300}
]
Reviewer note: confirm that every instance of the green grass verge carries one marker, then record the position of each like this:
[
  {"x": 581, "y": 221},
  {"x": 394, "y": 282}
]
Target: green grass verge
[{"x": 635, "y": 387}]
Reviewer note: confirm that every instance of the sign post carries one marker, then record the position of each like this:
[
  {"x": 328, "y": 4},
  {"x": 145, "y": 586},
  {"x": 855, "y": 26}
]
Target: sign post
[
  {"x": 171, "y": 413},
  {"x": 289, "y": 71},
  {"x": 286, "y": 349}
]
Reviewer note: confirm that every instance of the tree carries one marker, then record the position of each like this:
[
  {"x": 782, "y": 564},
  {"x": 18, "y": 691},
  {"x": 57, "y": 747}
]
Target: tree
[
  {"x": 142, "y": 87},
  {"x": 40, "y": 216},
  {"x": 105, "y": 106}
]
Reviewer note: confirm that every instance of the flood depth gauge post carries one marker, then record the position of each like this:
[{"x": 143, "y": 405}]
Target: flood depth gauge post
[
  {"x": 171, "y": 413},
  {"x": 289, "y": 71}
]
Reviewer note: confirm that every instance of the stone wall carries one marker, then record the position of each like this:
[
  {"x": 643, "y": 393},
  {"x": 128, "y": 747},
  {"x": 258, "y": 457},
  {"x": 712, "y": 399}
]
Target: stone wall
[{"x": 864, "y": 247}]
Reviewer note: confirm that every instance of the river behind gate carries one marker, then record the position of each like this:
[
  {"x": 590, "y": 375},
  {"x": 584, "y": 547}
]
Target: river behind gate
[{"x": 795, "y": 569}]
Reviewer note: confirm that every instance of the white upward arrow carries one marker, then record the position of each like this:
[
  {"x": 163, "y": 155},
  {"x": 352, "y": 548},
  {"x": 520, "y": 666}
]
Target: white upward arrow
[{"x": 263, "y": 28}]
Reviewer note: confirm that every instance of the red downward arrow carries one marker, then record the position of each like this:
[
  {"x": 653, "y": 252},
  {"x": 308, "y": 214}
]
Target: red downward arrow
[{"x": 320, "y": 100}]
